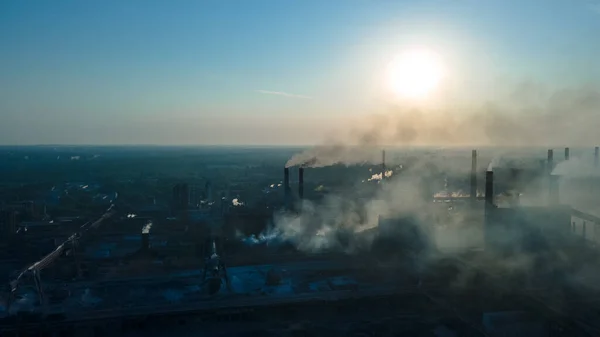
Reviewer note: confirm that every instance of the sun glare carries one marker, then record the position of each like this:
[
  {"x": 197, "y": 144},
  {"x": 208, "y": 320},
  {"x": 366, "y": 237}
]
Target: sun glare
[{"x": 415, "y": 74}]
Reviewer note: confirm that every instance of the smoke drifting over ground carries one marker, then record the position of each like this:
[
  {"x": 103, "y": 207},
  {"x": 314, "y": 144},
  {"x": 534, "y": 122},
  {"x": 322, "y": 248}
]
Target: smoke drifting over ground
[
  {"x": 339, "y": 221},
  {"x": 528, "y": 117}
]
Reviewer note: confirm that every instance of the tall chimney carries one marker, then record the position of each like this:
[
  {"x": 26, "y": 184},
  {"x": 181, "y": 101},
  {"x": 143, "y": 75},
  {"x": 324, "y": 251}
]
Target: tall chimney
[
  {"x": 566, "y": 153},
  {"x": 286, "y": 185},
  {"x": 473, "y": 192},
  {"x": 550, "y": 165},
  {"x": 488, "y": 208},
  {"x": 145, "y": 241},
  {"x": 383, "y": 164},
  {"x": 301, "y": 183},
  {"x": 489, "y": 190},
  {"x": 596, "y": 152},
  {"x": 552, "y": 180}
]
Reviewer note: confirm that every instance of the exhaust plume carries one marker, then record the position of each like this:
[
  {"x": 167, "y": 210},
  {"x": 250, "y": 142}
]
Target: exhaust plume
[
  {"x": 524, "y": 122},
  {"x": 343, "y": 221}
]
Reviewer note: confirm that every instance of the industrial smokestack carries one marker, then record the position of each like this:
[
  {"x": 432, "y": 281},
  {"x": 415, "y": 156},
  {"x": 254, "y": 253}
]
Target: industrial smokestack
[
  {"x": 489, "y": 190},
  {"x": 566, "y": 153},
  {"x": 489, "y": 205},
  {"x": 550, "y": 165},
  {"x": 383, "y": 164},
  {"x": 552, "y": 180},
  {"x": 301, "y": 183},
  {"x": 146, "y": 236},
  {"x": 145, "y": 241},
  {"x": 596, "y": 152},
  {"x": 286, "y": 185},
  {"x": 473, "y": 193}
]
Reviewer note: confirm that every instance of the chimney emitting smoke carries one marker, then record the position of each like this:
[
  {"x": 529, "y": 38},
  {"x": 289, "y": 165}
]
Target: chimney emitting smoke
[
  {"x": 566, "y": 153},
  {"x": 383, "y": 164},
  {"x": 473, "y": 192},
  {"x": 145, "y": 241},
  {"x": 489, "y": 204},
  {"x": 301, "y": 183},
  {"x": 489, "y": 190},
  {"x": 286, "y": 185},
  {"x": 550, "y": 166}
]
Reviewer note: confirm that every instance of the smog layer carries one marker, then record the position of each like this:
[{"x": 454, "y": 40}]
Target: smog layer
[{"x": 529, "y": 117}]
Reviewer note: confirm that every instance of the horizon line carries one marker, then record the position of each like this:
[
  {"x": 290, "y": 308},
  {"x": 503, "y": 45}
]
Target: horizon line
[{"x": 382, "y": 146}]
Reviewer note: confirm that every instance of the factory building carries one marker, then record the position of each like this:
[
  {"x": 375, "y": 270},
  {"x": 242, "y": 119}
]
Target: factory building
[
  {"x": 140, "y": 280},
  {"x": 537, "y": 229}
]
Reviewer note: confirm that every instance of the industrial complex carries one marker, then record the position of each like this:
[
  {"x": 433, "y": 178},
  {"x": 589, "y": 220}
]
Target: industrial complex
[{"x": 197, "y": 263}]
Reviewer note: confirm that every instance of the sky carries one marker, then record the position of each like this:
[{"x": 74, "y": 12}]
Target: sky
[{"x": 261, "y": 72}]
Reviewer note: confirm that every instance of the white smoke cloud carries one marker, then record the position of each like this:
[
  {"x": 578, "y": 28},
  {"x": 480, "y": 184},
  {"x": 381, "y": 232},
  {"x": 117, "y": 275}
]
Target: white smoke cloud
[
  {"x": 582, "y": 166},
  {"x": 336, "y": 221}
]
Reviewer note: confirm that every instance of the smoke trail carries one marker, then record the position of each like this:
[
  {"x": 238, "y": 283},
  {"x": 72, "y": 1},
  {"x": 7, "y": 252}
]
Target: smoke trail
[
  {"x": 335, "y": 222},
  {"x": 581, "y": 166},
  {"x": 526, "y": 120},
  {"x": 566, "y": 116},
  {"x": 493, "y": 163}
]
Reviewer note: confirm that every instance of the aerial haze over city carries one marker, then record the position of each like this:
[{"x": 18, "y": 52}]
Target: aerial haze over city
[{"x": 286, "y": 168}]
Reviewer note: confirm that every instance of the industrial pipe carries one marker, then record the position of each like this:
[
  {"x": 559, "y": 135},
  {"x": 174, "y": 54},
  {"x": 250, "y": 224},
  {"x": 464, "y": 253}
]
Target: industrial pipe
[
  {"x": 301, "y": 183},
  {"x": 145, "y": 241},
  {"x": 473, "y": 192},
  {"x": 383, "y": 169},
  {"x": 286, "y": 185},
  {"x": 489, "y": 190}
]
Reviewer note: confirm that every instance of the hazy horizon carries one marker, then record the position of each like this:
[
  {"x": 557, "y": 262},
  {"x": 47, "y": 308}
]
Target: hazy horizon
[{"x": 270, "y": 72}]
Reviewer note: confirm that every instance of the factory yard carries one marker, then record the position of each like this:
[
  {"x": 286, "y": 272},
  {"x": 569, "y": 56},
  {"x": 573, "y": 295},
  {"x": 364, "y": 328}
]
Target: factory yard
[
  {"x": 183, "y": 291},
  {"x": 455, "y": 264}
]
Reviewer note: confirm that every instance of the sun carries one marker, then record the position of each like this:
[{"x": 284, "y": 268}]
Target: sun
[{"x": 415, "y": 74}]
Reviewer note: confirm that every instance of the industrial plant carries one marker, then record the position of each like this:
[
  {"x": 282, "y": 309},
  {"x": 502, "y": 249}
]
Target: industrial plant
[{"x": 495, "y": 248}]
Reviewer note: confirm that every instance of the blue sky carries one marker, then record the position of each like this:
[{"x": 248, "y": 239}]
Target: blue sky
[{"x": 192, "y": 72}]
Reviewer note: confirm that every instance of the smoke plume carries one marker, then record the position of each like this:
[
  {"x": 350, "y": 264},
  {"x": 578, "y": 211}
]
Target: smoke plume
[
  {"x": 340, "y": 221},
  {"x": 581, "y": 166},
  {"x": 528, "y": 117}
]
